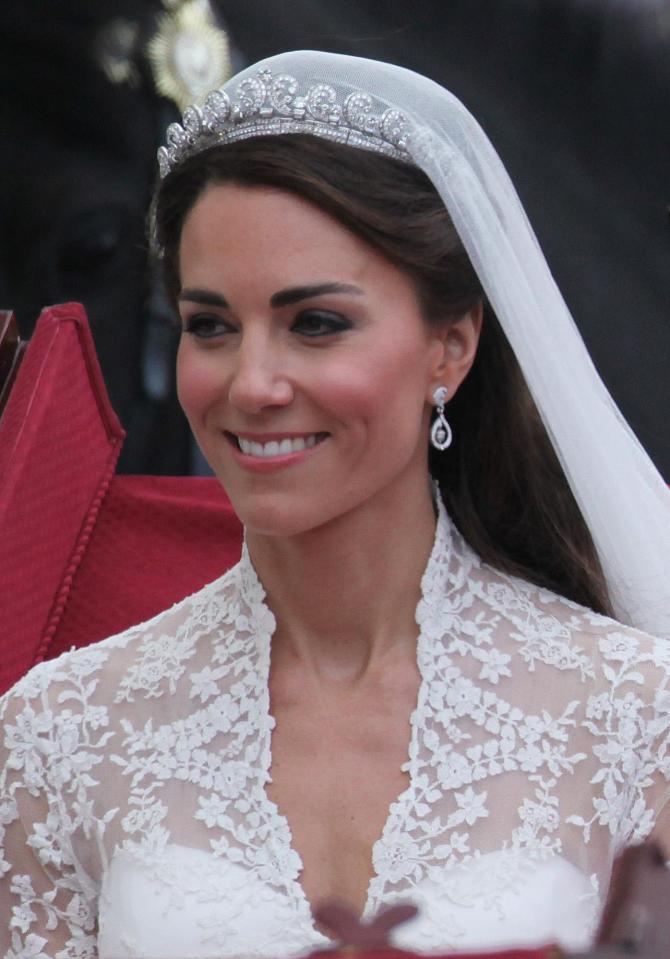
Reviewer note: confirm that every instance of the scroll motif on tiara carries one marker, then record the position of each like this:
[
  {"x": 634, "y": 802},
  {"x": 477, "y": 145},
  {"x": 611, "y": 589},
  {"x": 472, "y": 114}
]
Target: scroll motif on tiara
[{"x": 273, "y": 104}]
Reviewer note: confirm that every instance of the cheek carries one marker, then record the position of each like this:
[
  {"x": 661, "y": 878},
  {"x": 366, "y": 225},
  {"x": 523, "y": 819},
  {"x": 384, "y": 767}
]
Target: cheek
[
  {"x": 399, "y": 387},
  {"x": 380, "y": 393},
  {"x": 198, "y": 381},
  {"x": 350, "y": 393}
]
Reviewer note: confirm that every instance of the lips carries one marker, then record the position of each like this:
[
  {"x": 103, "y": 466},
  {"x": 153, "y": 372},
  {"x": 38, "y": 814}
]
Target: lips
[{"x": 281, "y": 446}]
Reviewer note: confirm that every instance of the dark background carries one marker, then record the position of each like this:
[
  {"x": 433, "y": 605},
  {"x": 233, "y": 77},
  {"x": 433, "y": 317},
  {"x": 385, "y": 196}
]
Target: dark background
[{"x": 575, "y": 95}]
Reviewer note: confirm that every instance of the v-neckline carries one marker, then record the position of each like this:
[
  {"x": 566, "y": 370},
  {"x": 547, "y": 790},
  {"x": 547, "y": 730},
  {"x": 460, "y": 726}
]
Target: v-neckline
[
  {"x": 432, "y": 585},
  {"x": 396, "y": 808}
]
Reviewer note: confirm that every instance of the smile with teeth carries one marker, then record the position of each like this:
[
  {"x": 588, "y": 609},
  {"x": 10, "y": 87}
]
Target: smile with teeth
[{"x": 279, "y": 447}]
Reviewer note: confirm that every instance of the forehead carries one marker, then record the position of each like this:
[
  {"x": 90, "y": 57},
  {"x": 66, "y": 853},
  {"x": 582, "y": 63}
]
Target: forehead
[{"x": 233, "y": 228}]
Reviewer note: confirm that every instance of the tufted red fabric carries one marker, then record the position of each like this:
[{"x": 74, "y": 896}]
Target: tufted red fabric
[
  {"x": 157, "y": 539},
  {"x": 85, "y": 553}
]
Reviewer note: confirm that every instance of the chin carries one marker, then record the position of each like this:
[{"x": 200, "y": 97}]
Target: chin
[
  {"x": 268, "y": 514},
  {"x": 282, "y": 515}
]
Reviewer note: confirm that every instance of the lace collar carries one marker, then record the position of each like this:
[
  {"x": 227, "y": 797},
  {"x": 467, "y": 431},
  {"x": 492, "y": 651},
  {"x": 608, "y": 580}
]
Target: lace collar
[
  {"x": 448, "y": 566},
  {"x": 446, "y": 560}
]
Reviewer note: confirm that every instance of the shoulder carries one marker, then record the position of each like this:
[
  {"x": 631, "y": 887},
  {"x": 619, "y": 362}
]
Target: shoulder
[
  {"x": 67, "y": 717},
  {"x": 544, "y": 625},
  {"x": 142, "y": 658},
  {"x": 597, "y": 687}
]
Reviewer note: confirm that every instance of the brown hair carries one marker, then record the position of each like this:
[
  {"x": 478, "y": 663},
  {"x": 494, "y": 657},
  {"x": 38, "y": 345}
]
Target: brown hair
[{"x": 500, "y": 480}]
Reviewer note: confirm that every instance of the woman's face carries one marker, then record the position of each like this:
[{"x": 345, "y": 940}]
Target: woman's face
[{"x": 305, "y": 367}]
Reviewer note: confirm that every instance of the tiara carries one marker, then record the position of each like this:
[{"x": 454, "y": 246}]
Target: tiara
[{"x": 272, "y": 104}]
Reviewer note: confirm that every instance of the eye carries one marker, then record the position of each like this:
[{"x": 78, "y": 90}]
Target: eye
[
  {"x": 316, "y": 323},
  {"x": 205, "y": 326}
]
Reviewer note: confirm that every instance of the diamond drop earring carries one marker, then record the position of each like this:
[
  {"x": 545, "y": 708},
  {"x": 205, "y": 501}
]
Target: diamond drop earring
[{"x": 440, "y": 431}]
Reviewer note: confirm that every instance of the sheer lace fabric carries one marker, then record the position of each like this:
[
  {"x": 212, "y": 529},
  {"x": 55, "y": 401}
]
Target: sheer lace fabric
[{"x": 134, "y": 819}]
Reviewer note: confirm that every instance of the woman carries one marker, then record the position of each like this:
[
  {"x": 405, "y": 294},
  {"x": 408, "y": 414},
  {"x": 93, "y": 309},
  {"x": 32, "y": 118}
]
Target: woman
[{"x": 195, "y": 785}]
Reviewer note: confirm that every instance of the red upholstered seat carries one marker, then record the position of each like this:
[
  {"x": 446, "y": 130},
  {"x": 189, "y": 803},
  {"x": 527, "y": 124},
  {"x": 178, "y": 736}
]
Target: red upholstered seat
[{"x": 85, "y": 553}]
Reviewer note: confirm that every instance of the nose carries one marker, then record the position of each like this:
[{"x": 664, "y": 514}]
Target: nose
[{"x": 259, "y": 380}]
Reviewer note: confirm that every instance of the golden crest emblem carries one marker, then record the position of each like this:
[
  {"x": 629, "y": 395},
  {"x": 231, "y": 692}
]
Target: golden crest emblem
[{"x": 189, "y": 55}]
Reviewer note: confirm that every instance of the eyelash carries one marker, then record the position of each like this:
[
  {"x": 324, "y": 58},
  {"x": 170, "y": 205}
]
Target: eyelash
[
  {"x": 334, "y": 322},
  {"x": 207, "y": 326}
]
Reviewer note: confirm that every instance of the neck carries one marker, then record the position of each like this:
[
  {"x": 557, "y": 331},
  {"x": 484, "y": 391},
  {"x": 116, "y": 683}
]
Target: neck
[{"x": 345, "y": 594}]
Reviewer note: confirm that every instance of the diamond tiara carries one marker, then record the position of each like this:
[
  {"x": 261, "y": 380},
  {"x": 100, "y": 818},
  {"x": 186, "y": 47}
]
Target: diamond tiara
[{"x": 269, "y": 104}]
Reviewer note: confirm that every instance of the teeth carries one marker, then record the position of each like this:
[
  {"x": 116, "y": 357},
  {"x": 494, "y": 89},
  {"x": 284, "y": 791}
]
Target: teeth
[{"x": 274, "y": 448}]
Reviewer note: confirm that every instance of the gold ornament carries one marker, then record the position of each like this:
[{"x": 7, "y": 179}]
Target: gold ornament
[{"x": 189, "y": 55}]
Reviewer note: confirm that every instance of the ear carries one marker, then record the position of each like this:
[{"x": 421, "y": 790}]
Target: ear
[{"x": 455, "y": 350}]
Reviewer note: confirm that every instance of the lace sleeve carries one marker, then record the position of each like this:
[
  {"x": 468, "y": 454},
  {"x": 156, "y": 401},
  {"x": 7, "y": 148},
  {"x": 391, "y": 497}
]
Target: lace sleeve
[
  {"x": 638, "y": 712},
  {"x": 654, "y": 770},
  {"x": 48, "y": 902},
  {"x": 626, "y": 729}
]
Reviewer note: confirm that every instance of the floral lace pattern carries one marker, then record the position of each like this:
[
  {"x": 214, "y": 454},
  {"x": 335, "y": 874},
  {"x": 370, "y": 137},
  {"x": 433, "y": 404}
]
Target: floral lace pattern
[{"x": 538, "y": 746}]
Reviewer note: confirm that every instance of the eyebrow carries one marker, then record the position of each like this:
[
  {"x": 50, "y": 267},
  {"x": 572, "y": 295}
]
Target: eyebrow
[
  {"x": 207, "y": 297},
  {"x": 297, "y": 293},
  {"x": 282, "y": 298}
]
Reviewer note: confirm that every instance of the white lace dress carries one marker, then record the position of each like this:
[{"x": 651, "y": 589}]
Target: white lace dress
[{"x": 134, "y": 819}]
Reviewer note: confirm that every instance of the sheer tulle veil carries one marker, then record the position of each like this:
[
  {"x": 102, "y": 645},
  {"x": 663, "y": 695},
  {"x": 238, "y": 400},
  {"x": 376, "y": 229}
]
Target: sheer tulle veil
[{"x": 386, "y": 108}]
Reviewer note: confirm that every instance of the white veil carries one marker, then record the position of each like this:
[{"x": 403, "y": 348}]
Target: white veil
[{"x": 621, "y": 495}]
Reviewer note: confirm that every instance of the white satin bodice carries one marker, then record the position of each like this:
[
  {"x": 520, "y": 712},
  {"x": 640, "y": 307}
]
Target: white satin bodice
[{"x": 144, "y": 915}]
